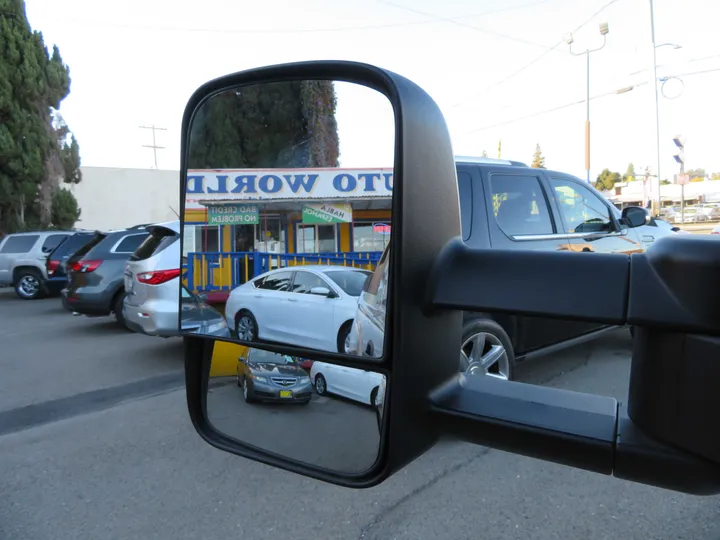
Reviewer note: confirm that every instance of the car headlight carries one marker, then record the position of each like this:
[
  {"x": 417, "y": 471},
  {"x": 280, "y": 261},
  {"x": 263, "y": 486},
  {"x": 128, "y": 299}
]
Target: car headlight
[
  {"x": 258, "y": 378},
  {"x": 216, "y": 327}
]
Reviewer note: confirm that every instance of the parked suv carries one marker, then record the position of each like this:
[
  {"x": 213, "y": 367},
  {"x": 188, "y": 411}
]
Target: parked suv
[
  {"x": 507, "y": 205},
  {"x": 22, "y": 262},
  {"x": 95, "y": 278},
  {"x": 153, "y": 290},
  {"x": 56, "y": 263}
]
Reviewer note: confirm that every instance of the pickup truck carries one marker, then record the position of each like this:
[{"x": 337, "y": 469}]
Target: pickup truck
[{"x": 508, "y": 205}]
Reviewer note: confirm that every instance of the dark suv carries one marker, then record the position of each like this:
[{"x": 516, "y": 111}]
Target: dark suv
[
  {"x": 508, "y": 205},
  {"x": 95, "y": 273},
  {"x": 56, "y": 263}
]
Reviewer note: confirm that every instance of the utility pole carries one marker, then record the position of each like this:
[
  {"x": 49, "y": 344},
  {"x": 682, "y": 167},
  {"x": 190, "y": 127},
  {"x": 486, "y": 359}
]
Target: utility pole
[
  {"x": 154, "y": 145},
  {"x": 679, "y": 141},
  {"x": 604, "y": 29}
]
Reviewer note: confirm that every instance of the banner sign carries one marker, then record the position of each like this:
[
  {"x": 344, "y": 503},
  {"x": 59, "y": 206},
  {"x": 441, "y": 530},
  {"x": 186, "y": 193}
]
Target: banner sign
[
  {"x": 327, "y": 213},
  {"x": 233, "y": 214},
  {"x": 206, "y": 186}
]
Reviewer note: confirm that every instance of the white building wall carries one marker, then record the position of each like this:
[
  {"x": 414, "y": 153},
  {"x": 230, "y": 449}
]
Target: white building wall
[{"x": 112, "y": 198}]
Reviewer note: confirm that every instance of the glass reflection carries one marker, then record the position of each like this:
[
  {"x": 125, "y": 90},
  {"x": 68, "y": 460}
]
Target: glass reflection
[
  {"x": 314, "y": 412},
  {"x": 288, "y": 203}
]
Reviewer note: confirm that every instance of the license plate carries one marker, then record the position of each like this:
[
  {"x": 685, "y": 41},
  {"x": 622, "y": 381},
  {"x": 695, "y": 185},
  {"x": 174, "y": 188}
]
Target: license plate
[{"x": 285, "y": 393}]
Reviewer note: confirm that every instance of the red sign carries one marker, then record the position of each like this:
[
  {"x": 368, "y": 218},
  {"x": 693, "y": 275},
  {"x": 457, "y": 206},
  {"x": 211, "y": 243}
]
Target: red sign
[
  {"x": 381, "y": 228},
  {"x": 683, "y": 179}
]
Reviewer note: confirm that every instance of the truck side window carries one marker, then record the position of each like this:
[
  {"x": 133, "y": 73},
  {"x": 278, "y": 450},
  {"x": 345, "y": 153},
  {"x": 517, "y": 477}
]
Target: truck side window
[
  {"x": 581, "y": 210},
  {"x": 519, "y": 205}
]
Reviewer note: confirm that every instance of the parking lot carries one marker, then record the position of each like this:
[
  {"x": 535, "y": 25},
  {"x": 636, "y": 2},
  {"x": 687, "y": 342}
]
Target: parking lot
[{"x": 96, "y": 443}]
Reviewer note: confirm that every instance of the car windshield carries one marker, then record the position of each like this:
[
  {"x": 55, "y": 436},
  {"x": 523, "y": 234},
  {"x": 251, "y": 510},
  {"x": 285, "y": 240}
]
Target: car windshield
[
  {"x": 350, "y": 281},
  {"x": 268, "y": 357}
]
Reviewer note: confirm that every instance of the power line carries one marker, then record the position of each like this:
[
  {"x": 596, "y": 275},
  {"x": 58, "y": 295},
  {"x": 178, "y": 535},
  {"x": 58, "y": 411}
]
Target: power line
[
  {"x": 465, "y": 25},
  {"x": 534, "y": 60},
  {"x": 578, "y": 102},
  {"x": 211, "y": 30}
]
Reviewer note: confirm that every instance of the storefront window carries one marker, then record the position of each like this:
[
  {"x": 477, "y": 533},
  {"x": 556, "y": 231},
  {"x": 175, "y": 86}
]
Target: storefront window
[
  {"x": 316, "y": 239},
  {"x": 244, "y": 236},
  {"x": 270, "y": 236},
  {"x": 371, "y": 236}
]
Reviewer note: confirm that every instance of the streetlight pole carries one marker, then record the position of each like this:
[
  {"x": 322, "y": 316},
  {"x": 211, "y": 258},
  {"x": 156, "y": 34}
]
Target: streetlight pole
[
  {"x": 604, "y": 29},
  {"x": 658, "y": 201}
]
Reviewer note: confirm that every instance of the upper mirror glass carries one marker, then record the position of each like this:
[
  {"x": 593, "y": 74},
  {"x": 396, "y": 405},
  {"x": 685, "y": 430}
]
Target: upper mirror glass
[{"x": 288, "y": 205}]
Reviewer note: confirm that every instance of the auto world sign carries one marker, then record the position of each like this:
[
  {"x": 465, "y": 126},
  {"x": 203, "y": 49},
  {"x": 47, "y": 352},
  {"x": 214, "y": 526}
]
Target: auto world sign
[{"x": 205, "y": 186}]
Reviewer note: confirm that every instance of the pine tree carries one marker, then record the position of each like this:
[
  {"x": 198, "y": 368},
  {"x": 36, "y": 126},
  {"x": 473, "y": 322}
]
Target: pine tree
[
  {"x": 34, "y": 156},
  {"x": 538, "y": 161},
  {"x": 629, "y": 175},
  {"x": 274, "y": 125}
]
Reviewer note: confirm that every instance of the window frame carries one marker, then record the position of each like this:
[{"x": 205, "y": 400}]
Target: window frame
[
  {"x": 290, "y": 280},
  {"x": 556, "y": 229},
  {"x": 298, "y": 236},
  {"x": 368, "y": 221},
  {"x": 64, "y": 236},
  {"x": 322, "y": 279},
  {"x": 615, "y": 229},
  {"x": 19, "y": 236}
]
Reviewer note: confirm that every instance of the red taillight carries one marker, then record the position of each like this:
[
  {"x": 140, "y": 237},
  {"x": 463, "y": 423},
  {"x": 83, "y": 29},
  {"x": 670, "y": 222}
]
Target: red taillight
[
  {"x": 85, "y": 267},
  {"x": 52, "y": 266},
  {"x": 159, "y": 277}
]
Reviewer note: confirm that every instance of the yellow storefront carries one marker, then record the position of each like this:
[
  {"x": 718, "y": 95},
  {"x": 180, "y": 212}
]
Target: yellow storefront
[{"x": 235, "y": 218}]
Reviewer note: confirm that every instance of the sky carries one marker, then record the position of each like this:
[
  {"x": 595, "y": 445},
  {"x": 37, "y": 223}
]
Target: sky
[{"x": 495, "y": 68}]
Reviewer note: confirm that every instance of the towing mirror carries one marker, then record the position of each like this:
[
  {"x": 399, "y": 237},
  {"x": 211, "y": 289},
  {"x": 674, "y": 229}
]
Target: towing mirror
[{"x": 410, "y": 391}]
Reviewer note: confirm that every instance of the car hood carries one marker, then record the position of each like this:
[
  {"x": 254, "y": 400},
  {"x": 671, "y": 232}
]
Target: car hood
[{"x": 270, "y": 369}]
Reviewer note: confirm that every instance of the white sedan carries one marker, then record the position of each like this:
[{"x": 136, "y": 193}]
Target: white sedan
[
  {"x": 356, "y": 384},
  {"x": 306, "y": 306}
]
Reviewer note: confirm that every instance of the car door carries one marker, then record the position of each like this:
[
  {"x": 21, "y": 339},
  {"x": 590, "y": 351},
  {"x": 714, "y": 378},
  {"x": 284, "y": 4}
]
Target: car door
[
  {"x": 310, "y": 318},
  {"x": 267, "y": 303},
  {"x": 590, "y": 222}
]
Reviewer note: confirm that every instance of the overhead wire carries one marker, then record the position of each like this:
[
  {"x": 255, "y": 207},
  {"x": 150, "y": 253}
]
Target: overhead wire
[
  {"x": 581, "y": 101},
  {"x": 291, "y": 30},
  {"x": 465, "y": 25},
  {"x": 534, "y": 60}
]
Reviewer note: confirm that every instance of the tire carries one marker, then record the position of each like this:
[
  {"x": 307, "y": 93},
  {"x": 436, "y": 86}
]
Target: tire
[
  {"x": 489, "y": 335},
  {"x": 342, "y": 337},
  {"x": 373, "y": 395},
  {"x": 320, "y": 385},
  {"x": 118, "y": 310},
  {"x": 29, "y": 285},
  {"x": 246, "y": 322},
  {"x": 247, "y": 393}
]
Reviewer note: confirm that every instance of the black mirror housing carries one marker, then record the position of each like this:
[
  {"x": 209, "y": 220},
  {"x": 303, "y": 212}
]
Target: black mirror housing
[
  {"x": 636, "y": 216},
  {"x": 424, "y": 154}
]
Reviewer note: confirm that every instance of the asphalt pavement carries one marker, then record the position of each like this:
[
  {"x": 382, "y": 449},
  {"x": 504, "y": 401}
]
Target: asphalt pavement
[{"x": 95, "y": 443}]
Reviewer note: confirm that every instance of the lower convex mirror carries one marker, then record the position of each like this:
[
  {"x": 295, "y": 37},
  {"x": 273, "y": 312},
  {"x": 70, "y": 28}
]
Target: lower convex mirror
[{"x": 317, "y": 413}]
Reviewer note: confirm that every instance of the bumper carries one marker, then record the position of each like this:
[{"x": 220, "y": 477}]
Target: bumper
[
  {"x": 86, "y": 304},
  {"x": 270, "y": 392},
  {"x": 55, "y": 286},
  {"x": 153, "y": 323}
]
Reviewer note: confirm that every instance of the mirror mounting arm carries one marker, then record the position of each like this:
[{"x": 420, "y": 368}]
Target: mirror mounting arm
[{"x": 569, "y": 428}]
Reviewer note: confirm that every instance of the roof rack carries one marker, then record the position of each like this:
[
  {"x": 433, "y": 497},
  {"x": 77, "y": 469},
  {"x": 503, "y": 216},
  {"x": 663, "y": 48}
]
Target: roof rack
[{"x": 488, "y": 161}]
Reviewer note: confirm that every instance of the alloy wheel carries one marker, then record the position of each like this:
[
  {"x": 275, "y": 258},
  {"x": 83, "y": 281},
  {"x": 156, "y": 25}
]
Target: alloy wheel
[{"x": 484, "y": 354}]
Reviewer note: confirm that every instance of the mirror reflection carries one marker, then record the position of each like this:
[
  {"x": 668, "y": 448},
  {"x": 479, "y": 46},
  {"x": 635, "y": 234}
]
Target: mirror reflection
[
  {"x": 288, "y": 205},
  {"x": 314, "y": 412}
]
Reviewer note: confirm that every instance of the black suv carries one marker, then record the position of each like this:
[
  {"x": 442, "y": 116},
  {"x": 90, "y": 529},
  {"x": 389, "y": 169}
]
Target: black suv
[
  {"x": 56, "y": 263},
  {"x": 96, "y": 273},
  {"x": 508, "y": 205}
]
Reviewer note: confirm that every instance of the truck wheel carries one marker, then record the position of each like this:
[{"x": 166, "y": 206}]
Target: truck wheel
[{"x": 486, "y": 350}]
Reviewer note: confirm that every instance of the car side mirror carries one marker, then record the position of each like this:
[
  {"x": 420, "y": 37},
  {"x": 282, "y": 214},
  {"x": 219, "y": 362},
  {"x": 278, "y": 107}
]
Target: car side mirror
[
  {"x": 665, "y": 435},
  {"x": 323, "y": 291},
  {"x": 636, "y": 216}
]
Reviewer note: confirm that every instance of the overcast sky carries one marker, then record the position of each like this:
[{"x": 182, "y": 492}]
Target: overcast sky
[{"x": 136, "y": 63}]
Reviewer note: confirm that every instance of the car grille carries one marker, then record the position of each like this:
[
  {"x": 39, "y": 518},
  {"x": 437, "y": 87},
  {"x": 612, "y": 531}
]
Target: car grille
[{"x": 284, "y": 381}]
